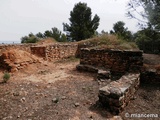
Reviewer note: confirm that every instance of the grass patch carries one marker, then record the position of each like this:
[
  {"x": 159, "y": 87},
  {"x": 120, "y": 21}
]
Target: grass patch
[
  {"x": 6, "y": 77},
  {"x": 108, "y": 42}
]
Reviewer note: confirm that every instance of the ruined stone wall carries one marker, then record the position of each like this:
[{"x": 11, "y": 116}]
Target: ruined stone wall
[
  {"x": 55, "y": 51},
  {"x": 114, "y": 60},
  {"x": 118, "y": 94},
  {"x": 49, "y": 52},
  {"x": 24, "y": 47}
]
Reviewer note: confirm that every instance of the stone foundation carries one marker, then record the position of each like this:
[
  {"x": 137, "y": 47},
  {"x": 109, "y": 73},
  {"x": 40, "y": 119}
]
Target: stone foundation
[
  {"x": 118, "y": 94},
  {"x": 54, "y": 51},
  {"x": 116, "y": 61}
]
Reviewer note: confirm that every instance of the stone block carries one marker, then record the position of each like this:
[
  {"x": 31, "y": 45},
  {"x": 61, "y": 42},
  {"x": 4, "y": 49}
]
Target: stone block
[
  {"x": 88, "y": 68},
  {"x": 103, "y": 74}
]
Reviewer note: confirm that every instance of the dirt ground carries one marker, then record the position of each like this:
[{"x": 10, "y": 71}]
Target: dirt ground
[{"x": 57, "y": 91}]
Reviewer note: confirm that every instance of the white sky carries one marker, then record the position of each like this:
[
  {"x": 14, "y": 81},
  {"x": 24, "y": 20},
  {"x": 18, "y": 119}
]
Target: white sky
[{"x": 20, "y": 17}]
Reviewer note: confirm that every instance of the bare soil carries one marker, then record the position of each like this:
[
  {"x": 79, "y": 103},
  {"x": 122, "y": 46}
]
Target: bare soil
[{"x": 57, "y": 91}]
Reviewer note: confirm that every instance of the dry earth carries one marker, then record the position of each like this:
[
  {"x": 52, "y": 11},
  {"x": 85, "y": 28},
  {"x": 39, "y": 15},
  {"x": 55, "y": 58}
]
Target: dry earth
[{"x": 57, "y": 91}]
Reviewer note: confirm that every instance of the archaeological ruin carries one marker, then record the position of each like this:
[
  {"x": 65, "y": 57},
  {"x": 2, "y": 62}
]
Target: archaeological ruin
[{"x": 106, "y": 63}]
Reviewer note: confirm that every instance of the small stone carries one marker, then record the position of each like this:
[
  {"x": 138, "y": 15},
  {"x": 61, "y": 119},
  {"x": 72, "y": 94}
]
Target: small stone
[
  {"x": 16, "y": 94},
  {"x": 63, "y": 97},
  {"x": 133, "y": 98},
  {"x": 55, "y": 100},
  {"x": 77, "y": 104},
  {"x": 23, "y": 99}
]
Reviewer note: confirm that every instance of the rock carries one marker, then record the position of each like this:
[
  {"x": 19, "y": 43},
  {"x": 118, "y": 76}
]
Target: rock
[
  {"x": 23, "y": 99},
  {"x": 16, "y": 94},
  {"x": 103, "y": 74},
  {"x": 63, "y": 97},
  {"x": 76, "y": 104},
  {"x": 55, "y": 100}
]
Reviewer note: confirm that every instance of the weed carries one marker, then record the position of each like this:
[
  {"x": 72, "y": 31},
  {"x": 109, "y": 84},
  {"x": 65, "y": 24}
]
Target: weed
[{"x": 6, "y": 77}]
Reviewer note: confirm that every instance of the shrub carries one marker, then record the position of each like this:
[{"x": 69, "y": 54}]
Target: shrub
[{"x": 6, "y": 77}]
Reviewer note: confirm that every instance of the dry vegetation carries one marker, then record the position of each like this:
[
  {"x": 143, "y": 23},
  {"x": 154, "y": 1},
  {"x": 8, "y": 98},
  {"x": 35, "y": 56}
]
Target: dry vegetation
[
  {"x": 108, "y": 42},
  {"x": 47, "y": 41}
]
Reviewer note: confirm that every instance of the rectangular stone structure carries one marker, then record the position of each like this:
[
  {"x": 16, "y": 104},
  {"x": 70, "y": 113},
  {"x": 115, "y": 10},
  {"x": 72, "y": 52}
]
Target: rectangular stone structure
[{"x": 118, "y": 94}]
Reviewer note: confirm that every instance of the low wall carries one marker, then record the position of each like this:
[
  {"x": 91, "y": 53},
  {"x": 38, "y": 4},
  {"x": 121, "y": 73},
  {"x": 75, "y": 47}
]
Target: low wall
[
  {"x": 114, "y": 60},
  {"x": 118, "y": 94},
  {"x": 54, "y": 51}
]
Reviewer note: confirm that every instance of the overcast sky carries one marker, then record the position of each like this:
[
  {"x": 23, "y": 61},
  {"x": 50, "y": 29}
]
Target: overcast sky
[{"x": 20, "y": 17}]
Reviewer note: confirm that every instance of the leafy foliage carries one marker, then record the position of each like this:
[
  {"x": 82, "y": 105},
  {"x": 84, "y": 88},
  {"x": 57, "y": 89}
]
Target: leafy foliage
[
  {"x": 148, "y": 39},
  {"x": 81, "y": 26},
  {"x": 31, "y": 38},
  {"x": 53, "y": 33},
  {"x": 121, "y": 31}
]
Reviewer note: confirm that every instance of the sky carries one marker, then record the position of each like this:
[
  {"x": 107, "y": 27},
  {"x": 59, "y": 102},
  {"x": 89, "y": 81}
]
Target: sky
[{"x": 21, "y": 17}]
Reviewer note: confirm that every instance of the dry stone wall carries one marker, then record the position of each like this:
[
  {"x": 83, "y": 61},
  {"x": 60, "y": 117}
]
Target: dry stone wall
[
  {"x": 55, "y": 51},
  {"x": 48, "y": 52},
  {"x": 118, "y": 94},
  {"x": 114, "y": 60}
]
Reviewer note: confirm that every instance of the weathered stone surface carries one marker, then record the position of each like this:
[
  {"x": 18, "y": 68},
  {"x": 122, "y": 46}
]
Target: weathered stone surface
[
  {"x": 115, "y": 60},
  {"x": 117, "y": 94},
  {"x": 88, "y": 68},
  {"x": 103, "y": 74}
]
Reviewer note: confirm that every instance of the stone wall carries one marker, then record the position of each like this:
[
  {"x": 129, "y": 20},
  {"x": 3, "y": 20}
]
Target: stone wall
[
  {"x": 118, "y": 94},
  {"x": 55, "y": 51},
  {"x": 114, "y": 60},
  {"x": 48, "y": 52}
]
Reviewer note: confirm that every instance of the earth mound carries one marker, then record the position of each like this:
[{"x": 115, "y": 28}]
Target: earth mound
[
  {"x": 47, "y": 41},
  {"x": 15, "y": 59}
]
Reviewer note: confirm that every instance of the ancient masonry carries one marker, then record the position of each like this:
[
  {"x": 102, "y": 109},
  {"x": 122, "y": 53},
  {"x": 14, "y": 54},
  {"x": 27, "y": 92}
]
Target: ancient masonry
[
  {"x": 15, "y": 57},
  {"x": 106, "y": 63},
  {"x": 116, "y": 61},
  {"x": 117, "y": 94},
  {"x": 54, "y": 51}
]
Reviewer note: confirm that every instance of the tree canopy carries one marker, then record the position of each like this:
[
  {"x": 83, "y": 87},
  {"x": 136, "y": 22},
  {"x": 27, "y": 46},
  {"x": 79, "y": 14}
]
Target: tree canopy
[
  {"x": 81, "y": 26},
  {"x": 53, "y": 33},
  {"x": 148, "y": 39},
  {"x": 122, "y": 31}
]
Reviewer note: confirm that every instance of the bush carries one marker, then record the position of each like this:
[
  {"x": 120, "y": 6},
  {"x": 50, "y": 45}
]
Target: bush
[{"x": 6, "y": 77}]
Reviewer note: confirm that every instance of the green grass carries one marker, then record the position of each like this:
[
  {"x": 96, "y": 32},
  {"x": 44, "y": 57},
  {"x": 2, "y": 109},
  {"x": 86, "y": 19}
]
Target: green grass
[
  {"x": 6, "y": 77},
  {"x": 108, "y": 42}
]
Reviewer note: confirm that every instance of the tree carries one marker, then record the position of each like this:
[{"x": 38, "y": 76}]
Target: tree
[
  {"x": 53, "y": 33},
  {"x": 40, "y": 35},
  {"x": 147, "y": 12},
  {"x": 121, "y": 31},
  {"x": 31, "y": 38},
  {"x": 148, "y": 39},
  {"x": 81, "y": 26}
]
